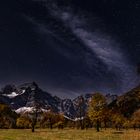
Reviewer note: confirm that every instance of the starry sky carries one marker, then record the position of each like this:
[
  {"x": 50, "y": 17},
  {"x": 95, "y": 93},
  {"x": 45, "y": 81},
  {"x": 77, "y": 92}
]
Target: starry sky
[{"x": 70, "y": 47}]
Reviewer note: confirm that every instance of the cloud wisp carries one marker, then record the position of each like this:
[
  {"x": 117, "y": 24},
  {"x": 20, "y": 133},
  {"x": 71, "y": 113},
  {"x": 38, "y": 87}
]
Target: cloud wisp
[
  {"x": 100, "y": 43},
  {"x": 106, "y": 48}
]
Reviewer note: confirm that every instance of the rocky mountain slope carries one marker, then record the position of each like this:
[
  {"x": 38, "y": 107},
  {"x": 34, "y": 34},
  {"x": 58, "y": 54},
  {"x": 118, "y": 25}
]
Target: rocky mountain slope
[
  {"x": 23, "y": 98},
  {"x": 129, "y": 102}
]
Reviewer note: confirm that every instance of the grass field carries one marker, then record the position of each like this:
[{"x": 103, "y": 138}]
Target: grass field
[{"x": 68, "y": 134}]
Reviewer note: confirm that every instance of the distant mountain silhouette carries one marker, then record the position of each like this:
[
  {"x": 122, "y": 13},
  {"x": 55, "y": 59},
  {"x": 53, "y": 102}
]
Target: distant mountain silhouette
[{"x": 25, "y": 96}]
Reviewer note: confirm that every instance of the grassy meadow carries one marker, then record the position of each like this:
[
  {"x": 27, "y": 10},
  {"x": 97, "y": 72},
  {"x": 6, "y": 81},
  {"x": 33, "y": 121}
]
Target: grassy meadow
[{"x": 68, "y": 134}]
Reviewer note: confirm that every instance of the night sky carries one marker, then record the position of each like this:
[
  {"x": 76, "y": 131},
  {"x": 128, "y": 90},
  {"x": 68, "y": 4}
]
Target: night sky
[{"x": 70, "y": 47}]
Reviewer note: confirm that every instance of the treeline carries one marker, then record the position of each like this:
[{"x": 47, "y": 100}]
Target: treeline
[{"x": 99, "y": 115}]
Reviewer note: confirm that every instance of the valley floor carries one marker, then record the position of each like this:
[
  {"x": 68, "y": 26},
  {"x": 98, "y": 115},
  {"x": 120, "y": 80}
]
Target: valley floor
[{"x": 68, "y": 134}]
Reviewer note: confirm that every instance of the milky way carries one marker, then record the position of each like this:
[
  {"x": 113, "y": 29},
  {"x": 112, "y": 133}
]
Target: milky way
[
  {"x": 69, "y": 50},
  {"x": 100, "y": 44}
]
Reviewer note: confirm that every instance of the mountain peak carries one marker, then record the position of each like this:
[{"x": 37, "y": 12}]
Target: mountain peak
[{"x": 24, "y": 97}]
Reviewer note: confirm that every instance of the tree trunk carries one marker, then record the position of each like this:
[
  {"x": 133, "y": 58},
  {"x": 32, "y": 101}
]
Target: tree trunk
[
  {"x": 81, "y": 124},
  {"x": 98, "y": 126},
  {"x": 33, "y": 128},
  {"x": 33, "y": 125},
  {"x": 134, "y": 126},
  {"x": 105, "y": 124},
  {"x": 51, "y": 126}
]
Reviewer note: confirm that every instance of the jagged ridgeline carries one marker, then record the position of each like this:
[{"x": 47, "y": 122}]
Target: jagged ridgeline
[{"x": 23, "y": 98}]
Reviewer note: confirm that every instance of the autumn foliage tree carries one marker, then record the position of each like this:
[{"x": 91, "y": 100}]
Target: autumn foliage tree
[
  {"x": 51, "y": 119},
  {"x": 23, "y": 122},
  {"x": 36, "y": 113},
  {"x": 7, "y": 117},
  {"x": 80, "y": 111},
  {"x": 96, "y": 110},
  {"x": 118, "y": 120},
  {"x": 136, "y": 119}
]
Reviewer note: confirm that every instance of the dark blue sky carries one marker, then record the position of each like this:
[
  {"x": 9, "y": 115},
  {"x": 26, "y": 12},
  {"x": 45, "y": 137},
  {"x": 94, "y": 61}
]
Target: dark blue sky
[{"x": 70, "y": 47}]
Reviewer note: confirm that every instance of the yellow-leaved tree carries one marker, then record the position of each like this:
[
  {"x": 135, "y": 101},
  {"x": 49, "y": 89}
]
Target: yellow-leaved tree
[{"x": 96, "y": 110}]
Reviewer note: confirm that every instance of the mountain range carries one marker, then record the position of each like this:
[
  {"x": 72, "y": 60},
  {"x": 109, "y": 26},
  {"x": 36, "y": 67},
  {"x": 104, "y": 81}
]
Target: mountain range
[{"x": 23, "y": 98}]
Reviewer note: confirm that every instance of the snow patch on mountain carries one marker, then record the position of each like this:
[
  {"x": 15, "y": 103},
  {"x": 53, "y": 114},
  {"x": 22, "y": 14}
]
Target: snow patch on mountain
[
  {"x": 24, "y": 110},
  {"x": 12, "y": 95},
  {"x": 31, "y": 99}
]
